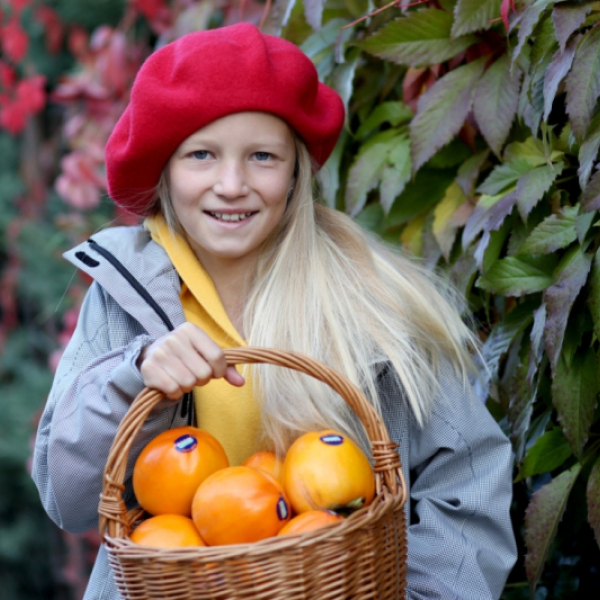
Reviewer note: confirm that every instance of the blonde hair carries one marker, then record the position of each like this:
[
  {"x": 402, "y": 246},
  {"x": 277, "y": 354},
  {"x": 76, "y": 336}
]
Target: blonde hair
[{"x": 327, "y": 289}]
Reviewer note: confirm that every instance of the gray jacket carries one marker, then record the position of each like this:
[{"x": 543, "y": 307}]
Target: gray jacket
[{"x": 460, "y": 540}]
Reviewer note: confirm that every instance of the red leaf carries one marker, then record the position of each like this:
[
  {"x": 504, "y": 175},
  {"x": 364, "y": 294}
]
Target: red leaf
[
  {"x": 13, "y": 117},
  {"x": 78, "y": 41},
  {"x": 156, "y": 12},
  {"x": 14, "y": 40},
  {"x": 112, "y": 63},
  {"x": 417, "y": 82},
  {"x": 80, "y": 183},
  {"x": 19, "y": 5},
  {"x": 8, "y": 76},
  {"x": 30, "y": 93},
  {"x": 505, "y": 7},
  {"x": 52, "y": 26}
]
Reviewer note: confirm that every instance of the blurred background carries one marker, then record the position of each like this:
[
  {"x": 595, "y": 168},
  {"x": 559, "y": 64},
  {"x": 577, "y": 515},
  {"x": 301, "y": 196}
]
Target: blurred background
[{"x": 468, "y": 144}]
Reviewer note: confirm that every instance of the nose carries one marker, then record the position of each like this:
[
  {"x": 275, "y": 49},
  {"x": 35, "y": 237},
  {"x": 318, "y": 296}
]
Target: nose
[{"x": 231, "y": 180}]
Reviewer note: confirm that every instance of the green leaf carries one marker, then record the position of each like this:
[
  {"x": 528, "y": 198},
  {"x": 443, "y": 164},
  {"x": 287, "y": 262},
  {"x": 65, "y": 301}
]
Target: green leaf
[
  {"x": 473, "y": 15},
  {"x": 463, "y": 271},
  {"x": 341, "y": 78},
  {"x": 502, "y": 335},
  {"x": 396, "y": 173},
  {"x": 325, "y": 37},
  {"x": 469, "y": 171},
  {"x": 590, "y": 201},
  {"x": 575, "y": 394},
  {"x": 554, "y": 232},
  {"x": 547, "y": 454},
  {"x": 393, "y": 113},
  {"x": 420, "y": 39},
  {"x": 425, "y": 190},
  {"x": 442, "y": 110},
  {"x": 567, "y": 20},
  {"x": 526, "y": 22},
  {"x": 533, "y": 185},
  {"x": 542, "y": 517},
  {"x": 594, "y": 295},
  {"x": 588, "y": 151},
  {"x": 582, "y": 225},
  {"x": 556, "y": 71},
  {"x": 520, "y": 409},
  {"x": 519, "y": 275},
  {"x": 495, "y": 246},
  {"x": 495, "y": 102},
  {"x": 504, "y": 175},
  {"x": 313, "y": 12},
  {"x": 532, "y": 151},
  {"x": 571, "y": 275},
  {"x": 583, "y": 83},
  {"x": 536, "y": 337},
  {"x": 371, "y": 217},
  {"x": 479, "y": 217},
  {"x": 593, "y": 499},
  {"x": 446, "y": 218},
  {"x": 329, "y": 175},
  {"x": 367, "y": 168},
  {"x": 543, "y": 46}
]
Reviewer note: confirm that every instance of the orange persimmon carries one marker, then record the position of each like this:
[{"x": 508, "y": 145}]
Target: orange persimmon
[
  {"x": 266, "y": 461},
  {"x": 309, "y": 521},
  {"x": 172, "y": 466},
  {"x": 325, "y": 469},
  {"x": 239, "y": 505},
  {"x": 167, "y": 531}
]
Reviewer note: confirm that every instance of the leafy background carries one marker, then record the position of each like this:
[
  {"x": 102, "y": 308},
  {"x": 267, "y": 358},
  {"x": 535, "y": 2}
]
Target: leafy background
[{"x": 471, "y": 141}]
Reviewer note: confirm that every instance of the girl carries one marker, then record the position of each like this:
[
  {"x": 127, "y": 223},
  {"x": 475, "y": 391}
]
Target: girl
[{"x": 217, "y": 149}]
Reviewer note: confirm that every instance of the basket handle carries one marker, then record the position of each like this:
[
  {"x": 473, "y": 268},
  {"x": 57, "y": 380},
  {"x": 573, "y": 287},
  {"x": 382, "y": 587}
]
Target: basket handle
[{"x": 387, "y": 465}]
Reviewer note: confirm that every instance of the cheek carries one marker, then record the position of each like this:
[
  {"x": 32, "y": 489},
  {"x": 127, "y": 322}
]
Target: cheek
[{"x": 276, "y": 191}]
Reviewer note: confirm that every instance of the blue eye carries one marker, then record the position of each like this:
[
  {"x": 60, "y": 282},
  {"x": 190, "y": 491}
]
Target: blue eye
[
  {"x": 201, "y": 154},
  {"x": 262, "y": 156}
]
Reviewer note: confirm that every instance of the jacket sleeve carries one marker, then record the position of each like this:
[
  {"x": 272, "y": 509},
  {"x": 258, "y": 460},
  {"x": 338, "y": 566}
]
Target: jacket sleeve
[
  {"x": 95, "y": 382},
  {"x": 461, "y": 544}
]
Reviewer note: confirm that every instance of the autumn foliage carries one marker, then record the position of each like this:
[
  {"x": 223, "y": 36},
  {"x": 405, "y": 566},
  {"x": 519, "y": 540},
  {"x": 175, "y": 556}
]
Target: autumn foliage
[{"x": 472, "y": 141}]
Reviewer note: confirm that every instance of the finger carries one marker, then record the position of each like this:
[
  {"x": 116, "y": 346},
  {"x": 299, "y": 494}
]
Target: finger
[
  {"x": 163, "y": 367},
  {"x": 233, "y": 377},
  {"x": 211, "y": 352}
]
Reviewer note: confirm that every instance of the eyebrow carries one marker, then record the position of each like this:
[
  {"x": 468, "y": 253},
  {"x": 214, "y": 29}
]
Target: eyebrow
[{"x": 209, "y": 141}]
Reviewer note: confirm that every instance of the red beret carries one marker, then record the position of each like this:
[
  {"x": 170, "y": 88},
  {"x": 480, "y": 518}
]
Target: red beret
[{"x": 202, "y": 77}]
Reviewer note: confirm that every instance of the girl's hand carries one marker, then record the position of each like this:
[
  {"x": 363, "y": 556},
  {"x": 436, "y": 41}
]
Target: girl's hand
[{"x": 183, "y": 359}]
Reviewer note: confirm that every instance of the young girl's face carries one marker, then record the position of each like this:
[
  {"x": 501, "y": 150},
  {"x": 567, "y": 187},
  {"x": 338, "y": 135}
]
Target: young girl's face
[{"x": 229, "y": 183}]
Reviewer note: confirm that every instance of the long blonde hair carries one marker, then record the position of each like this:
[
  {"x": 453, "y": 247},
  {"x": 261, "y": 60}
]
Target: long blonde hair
[{"x": 325, "y": 288}]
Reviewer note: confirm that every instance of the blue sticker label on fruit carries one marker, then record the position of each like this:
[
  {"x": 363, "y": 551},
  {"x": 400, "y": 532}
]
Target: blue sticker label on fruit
[
  {"x": 332, "y": 439},
  {"x": 186, "y": 443},
  {"x": 283, "y": 510}
]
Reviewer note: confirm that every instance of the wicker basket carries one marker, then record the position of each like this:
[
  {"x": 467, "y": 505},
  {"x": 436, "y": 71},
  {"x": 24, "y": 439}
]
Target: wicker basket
[{"x": 363, "y": 556}]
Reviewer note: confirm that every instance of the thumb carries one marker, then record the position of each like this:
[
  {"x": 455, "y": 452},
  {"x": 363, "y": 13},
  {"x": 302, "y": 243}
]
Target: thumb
[{"x": 233, "y": 377}]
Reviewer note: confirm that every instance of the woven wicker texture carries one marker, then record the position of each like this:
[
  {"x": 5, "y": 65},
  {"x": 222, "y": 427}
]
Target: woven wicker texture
[{"x": 363, "y": 556}]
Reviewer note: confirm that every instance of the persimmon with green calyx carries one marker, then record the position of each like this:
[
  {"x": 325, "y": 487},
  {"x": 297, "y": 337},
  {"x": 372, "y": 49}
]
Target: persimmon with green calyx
[
  {"x": 170, "y": 468},
  {"x": 327, "y": 470},
  {"x": 239, "y": 505}
]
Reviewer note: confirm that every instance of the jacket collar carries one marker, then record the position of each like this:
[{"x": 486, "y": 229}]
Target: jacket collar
[{"x": 146, "y": 261}]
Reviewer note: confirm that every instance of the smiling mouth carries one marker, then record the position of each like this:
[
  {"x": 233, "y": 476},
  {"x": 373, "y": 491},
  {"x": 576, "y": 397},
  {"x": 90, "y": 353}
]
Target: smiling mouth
[{"x": 230, "y": 217}]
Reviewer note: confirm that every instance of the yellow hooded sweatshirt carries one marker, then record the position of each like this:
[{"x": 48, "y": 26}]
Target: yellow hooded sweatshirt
[{"x": 230, "y": 413}]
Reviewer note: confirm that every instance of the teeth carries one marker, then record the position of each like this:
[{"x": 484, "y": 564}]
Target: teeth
[{"x": 230, "y": 217}]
